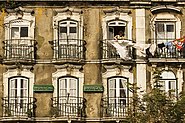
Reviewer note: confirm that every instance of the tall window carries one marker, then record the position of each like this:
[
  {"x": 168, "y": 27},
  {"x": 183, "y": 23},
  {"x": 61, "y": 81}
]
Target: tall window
[
  {"x": 114, "y": 27},
  {"x": 18, "y": 94},
  {"x": 68, "y": 30},
  {"x": 168, "y": 83},
  {"x": 68, "y": 95},
  {"x": 19, "y": 37},
  {"x": 117, "y": 95}
]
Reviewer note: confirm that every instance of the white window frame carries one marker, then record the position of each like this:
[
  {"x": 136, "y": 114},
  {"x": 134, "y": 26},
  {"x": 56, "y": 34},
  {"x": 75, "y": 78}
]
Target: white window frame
[
  {"x": 117, "y": 80},
  {"x": 64, "y": 16},
  {"x": 14, "y": 73},
  {"x": 12, "y": 20},
  {"x": 166, "y": 78},
  {"x": 166, "y": 18},
  {"x": 17, "y": 99},
  {"x": 62, "y": 71},
  {"x": 123, "y": 17}
]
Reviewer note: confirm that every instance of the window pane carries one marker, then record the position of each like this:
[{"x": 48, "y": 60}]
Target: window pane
[
  {"x": 72, "y": 29},
  {"x": 170, "y": 28},
  {"x": 112, "y": 83},
  {"x": 15, "y": 32},
  {"x": 63, "y": 29},
  {"x": 24, "y": 32},
  {"x": 160, "y": 27}
]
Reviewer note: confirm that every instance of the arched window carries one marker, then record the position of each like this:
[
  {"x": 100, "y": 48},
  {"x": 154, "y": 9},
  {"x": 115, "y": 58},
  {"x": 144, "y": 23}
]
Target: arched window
[
  {"x": 68, "y": 86},
  {"x": 18, "y": 95},
  {"x": 68, "y": 96},
  {"x": 117, "y": 95},
  {"x": 168, "y": 83}
]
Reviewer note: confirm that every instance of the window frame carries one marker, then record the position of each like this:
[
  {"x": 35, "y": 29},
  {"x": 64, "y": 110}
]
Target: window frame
[
  {"x": 166, "y": 82},
  {"x": 118, "y": 78}
]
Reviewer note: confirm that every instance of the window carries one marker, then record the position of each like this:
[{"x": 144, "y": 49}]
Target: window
[
  {"x": 18, "y": 95},
  {"x": 68, "y": 96},
  {"x": 165, "y": 31},
  {"x": 117, "y": 95},
  {"x": 114, "y": 27},
  {"x": 68, "y": 31},
  {"x": 19, "y": 32},
  {"x": 19, "y": 37},
  {"x": 168, "y": 83}
]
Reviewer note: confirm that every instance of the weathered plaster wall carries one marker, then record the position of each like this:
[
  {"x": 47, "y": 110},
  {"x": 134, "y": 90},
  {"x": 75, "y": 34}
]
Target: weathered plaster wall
[
  {"x": 43, "y": 72},
  {"x": 92, "y": 71}
]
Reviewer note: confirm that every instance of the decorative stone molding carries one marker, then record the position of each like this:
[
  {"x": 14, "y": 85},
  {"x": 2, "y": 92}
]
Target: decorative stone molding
[
  {"x": 117, "y": 10},
  {"x": 13, "y": 71},
  {"x": 68, "y": 70},
  {"x": 166, "y": 7},
  {"x": 67, "y": 9}
]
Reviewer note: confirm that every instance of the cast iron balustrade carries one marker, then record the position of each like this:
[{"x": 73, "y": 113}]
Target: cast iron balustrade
[
  {"x": 69, "y": 49},
  {"x": 168, "y": 49},
  {"x": 19, "y": 107},
  {"x": 109, "y": 52},
  {"x": 114, "y": 107},
  {"x": 65, "y": 107},
  {"x": 19, "y": 50}
]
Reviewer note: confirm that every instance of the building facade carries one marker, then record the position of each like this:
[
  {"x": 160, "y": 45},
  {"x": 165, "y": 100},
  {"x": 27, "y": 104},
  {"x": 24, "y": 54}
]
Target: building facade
[{"x": 57, "y": 64}]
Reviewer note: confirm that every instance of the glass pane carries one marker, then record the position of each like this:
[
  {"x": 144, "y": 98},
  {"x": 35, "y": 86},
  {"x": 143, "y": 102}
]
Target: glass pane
[
  {"x": 160, "y": 27},
  {"x": 122, "y": 93},
  {"x": 170, "y": 28},
  {"x": 24, "y": 32},
  {"x": 112, "y": 83},
  {"x": 112, "y": 93},
  {"x": 63, "y": 30},
  {"x": 72, "y": 83},
  {"x": 111, "y": 33},
  {"x": 172, "y": 85},
  {"x": 15, "y": 32},
  {"x": 62, "y": 84},
  {"x": 63, "y": 92},
  {"x": 72, "y": 30}
]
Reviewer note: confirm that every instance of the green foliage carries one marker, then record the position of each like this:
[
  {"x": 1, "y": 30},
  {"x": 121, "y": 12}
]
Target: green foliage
[{"x": 156, "y": 106}]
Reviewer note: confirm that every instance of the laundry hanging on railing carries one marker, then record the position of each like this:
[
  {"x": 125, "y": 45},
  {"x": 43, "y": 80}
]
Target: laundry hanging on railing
[
  {"x": 121, "y": 45},
  {"x": 179, "y": 43}
]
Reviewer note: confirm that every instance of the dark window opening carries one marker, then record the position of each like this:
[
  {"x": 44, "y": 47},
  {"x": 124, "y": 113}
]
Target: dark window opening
[
  {"x": 24, "y": 32},
  {"x": 63, "y": 29},
  {"x": 114, "y": 30}
]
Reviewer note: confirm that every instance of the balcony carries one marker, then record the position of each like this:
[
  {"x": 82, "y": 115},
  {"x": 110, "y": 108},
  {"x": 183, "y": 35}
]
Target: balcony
[
  {"x": 18, "y": 107},
  {"x": 68, "y": 50},
  {"x": 68, "y": 107},
  {"x": 168, "y": 50},
  {"x": 114, "y": 107},
  {"x": 110, "y": 54},
  {"x": 19, "y": 50}
]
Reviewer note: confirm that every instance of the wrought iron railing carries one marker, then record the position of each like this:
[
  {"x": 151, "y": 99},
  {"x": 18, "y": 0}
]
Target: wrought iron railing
[
  {"x": 64, "y": 106},
  {"x": 115, "y": 107},
  {"x": 165, "y": 48},
  {"x": 19, "y": 49},
  {"x": 69, "y": 49},
  {"x": 109, "y": 51},
  {"x": 19, "y": 106}
]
